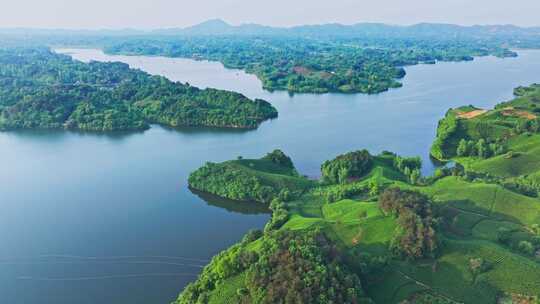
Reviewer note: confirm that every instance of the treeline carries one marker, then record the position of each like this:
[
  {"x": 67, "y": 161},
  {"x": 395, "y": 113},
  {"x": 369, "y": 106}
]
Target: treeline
[
  {"x": 42, "y": 89},
  {"x": 307, "y": 65},
  {"x": 480, "y": 148}
]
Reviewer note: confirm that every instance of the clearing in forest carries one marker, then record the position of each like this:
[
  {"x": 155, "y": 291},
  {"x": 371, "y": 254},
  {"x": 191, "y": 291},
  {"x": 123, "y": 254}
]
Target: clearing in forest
[
  {"x": 510, "y": 111},
  {"x": 471, "y": 114}
]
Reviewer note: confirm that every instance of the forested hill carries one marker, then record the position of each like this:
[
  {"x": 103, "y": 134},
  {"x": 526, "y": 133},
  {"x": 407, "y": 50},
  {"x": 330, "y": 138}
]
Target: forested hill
[
  {"x": 373, "y": 230},
  {"x": 218, "y": 27},
  {"x": 359, "y": 58},
  {"x": 42, "y": 89},
  {"x": 306, "y": 65},
  {"x": 378, "y": 30}
]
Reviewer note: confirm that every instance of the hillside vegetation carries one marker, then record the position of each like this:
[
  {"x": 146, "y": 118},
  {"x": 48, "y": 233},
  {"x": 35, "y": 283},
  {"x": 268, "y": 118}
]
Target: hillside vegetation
[
  {"x": 501, "y": 145},
  {"x": 304, "y": 64},
  {"x": 397, "y": 237},
  {"x": 257, "y": 180},
  {"x": 40, "y": 89}
]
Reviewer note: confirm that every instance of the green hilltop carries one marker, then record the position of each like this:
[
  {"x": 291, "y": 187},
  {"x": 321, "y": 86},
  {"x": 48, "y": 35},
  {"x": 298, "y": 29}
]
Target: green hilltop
[{"x": 372, "y": 230}]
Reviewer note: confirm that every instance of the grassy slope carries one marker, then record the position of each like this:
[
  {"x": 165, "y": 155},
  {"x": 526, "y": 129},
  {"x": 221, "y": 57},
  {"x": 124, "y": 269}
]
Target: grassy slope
[
  {"x": 486, "y": 200},
  {"x": 490, "y": 126},
  {"x": 479, "y": 210},
  {"x": 265, "y": 172},
  {"x": 526, "y": 161},
  {"x": 472, "y": 213},
  {"x": 226, "y": 293},
  {"x": 272, "y": 174}
]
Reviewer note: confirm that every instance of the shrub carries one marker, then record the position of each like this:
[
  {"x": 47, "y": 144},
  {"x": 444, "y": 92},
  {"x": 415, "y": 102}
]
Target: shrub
[
  {"x": 526, "y": 247},
  {"x": 279, "y": 158}
]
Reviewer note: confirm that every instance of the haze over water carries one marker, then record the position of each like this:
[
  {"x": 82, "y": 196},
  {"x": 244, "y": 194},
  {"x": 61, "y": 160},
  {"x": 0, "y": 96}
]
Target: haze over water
[{"x": 108, "y": 218}]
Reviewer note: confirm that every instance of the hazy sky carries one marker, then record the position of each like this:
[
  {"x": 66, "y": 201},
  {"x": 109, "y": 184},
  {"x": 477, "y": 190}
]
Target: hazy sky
[{"x": 181, "y": 13}]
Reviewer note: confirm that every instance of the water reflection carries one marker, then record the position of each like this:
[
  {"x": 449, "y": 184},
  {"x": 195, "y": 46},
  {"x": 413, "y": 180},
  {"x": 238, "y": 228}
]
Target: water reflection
[
  {"x": 232, "y": 205},
  {"x": 206, "y": 130},
  {"x": 53, "y": 134}
]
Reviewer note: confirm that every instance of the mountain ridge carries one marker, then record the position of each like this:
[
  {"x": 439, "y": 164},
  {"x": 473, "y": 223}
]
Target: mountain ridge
[{"x": 219, "y": 27}]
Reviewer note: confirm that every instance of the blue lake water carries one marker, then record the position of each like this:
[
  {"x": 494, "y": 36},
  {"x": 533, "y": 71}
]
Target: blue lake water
[{"x": 92, "y": 218}]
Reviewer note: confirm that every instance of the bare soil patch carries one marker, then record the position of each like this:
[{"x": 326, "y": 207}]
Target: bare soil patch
[
  {"x": 471, "y": 114},
  {"x": 302, "y": 71},
  {"x": 510, "y": 111}
]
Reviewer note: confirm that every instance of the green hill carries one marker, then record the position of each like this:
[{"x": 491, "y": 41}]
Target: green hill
[
  {"x": 259, "y": 180},
  {"x": 467, "y": 234}
]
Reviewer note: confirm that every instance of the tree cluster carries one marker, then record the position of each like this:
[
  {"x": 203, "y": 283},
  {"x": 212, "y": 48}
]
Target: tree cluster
[
  {"x": 480, "y": 148},
  {"x": 346, "y": 166},
  {"x": 415, "y": 236},
  {"x": 409, "y": 166},
  {"x": 301, "y": 268},
  {"x": 279, "y": 158}
]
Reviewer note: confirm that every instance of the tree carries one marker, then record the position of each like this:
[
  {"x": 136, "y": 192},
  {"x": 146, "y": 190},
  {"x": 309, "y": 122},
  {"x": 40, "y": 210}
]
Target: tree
[
  {"x": 374, "y": 188},
  {"x": 415, "y": 176},
  {"x": 462, "y": 149},
  {"x": 481, "y": 148}
]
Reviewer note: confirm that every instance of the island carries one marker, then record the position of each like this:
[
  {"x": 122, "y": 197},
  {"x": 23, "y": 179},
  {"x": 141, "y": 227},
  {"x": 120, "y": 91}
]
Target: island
[
  {"x": 362, "y": 58},
  {"x": 372, "y": 229},
  {"x": 40, "y": 89}
]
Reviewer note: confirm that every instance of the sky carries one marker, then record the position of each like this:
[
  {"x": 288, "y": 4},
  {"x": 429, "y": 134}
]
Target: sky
[{"x": 151, "y": 14}]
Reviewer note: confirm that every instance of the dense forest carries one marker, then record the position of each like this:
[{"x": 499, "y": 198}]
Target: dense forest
[
  {"x": 383, "y": 233},
  {"x": 42, "y": 89},
  {"x": 287, "y": 267},
  {"x": 306, "y": 65}
]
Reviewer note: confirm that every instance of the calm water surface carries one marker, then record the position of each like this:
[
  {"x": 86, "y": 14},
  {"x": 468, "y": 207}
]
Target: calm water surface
[{"x": 109, "y": 219}]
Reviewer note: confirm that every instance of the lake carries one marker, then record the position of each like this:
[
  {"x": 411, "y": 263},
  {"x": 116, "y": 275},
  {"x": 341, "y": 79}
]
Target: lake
[{"x": 90, "y": 218}]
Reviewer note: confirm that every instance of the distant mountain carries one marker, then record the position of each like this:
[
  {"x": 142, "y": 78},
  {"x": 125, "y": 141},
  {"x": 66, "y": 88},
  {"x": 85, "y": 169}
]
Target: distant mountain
[
  {"x": 209, "y": 27},
  {"x": 218, "y": 27}
]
